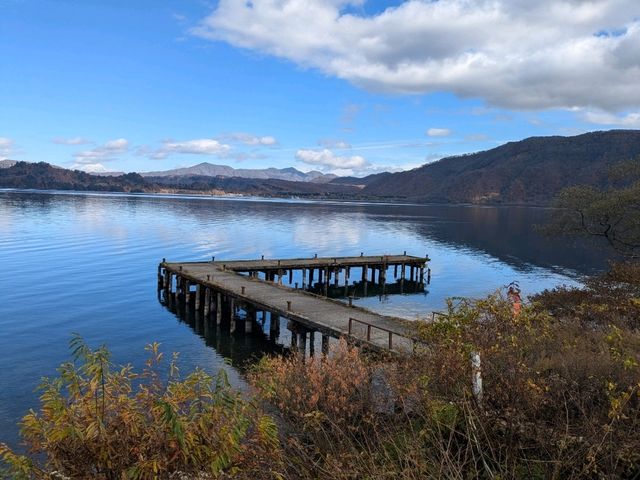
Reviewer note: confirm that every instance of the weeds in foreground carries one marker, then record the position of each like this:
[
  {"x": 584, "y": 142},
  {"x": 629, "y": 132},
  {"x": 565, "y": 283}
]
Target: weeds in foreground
[
  {"x": 558, "y": 401},
  {"x": 100, "y": 421}
]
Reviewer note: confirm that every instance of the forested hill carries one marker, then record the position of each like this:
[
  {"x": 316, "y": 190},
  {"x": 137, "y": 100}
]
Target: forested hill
[
  {"x": 43, "y": 176},
  {"x": 533, "y": 170}
]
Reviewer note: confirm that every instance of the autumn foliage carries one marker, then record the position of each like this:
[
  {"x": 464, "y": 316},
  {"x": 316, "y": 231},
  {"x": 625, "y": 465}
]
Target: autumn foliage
[
  {"x": 558, "y": 400},
  {"x": 99, "y": 421}
]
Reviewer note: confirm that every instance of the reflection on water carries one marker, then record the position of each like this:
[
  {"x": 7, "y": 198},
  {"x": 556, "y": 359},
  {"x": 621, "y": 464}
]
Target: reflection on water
[
  {"x": 359, "y": 290},
  {"x": 87, "y": 264},
  {"x": 241, "y": 348}
]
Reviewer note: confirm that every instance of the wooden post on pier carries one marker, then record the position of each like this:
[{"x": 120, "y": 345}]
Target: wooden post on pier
[
  {"x": 167, "y": 280},
  {"x": 347, "y": 272},
  {"x": 218, "y": 308},
  {"x": 207, "y": 303},
  {"x": 365, "y": 280},
  {"x": 302, "y": 340},
  {"x": 312, "y": 341},
  {"x": 250, "y": 319},
  {"x": 274, "y": 326},
  {"x": 198, "y": 293},
  {"x": 326, "y": 281},
  {"x": 310, "y": 282},
  {"x": 232, "y": 310},
  {"x": 187, "y": 292},
  {"x": 325, "y": 344}
]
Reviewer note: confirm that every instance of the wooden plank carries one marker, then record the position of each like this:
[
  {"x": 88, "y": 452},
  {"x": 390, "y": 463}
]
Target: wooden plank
[{"x": 320, "y": 262}]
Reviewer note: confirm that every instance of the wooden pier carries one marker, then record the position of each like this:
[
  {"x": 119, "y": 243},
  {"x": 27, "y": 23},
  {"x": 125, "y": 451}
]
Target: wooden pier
[{"x": 220, "y": 288}]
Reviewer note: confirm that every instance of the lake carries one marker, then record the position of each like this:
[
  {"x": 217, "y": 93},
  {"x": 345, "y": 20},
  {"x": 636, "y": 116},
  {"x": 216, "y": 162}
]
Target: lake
[{"x": 86, "y": 263}]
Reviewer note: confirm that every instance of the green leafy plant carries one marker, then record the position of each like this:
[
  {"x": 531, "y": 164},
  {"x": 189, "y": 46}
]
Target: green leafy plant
[{"x": 100, "y": 421}]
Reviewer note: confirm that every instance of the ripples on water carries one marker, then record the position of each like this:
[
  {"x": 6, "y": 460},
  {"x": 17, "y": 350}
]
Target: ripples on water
[{"x": 87, "y": 263}]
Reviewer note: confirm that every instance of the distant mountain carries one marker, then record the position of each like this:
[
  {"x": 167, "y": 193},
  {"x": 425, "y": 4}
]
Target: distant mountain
[
  {"x": 211, "y": 170},
  {"x": 43, "y": 176},
  {"x": 533, "y": 170},
  {"x": 252, "y": 186},
  {"x": 7, "y": 163}
]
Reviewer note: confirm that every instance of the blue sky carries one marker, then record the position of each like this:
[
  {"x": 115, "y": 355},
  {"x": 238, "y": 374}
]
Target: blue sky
[{"x": 350, "y": 87}]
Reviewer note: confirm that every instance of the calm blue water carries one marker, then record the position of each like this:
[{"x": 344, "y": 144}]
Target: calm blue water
[{"x": 87, "y": 263}]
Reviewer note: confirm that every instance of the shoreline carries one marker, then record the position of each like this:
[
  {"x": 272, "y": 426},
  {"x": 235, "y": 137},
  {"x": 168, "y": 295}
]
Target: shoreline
[{"x": 221, "y": 195}]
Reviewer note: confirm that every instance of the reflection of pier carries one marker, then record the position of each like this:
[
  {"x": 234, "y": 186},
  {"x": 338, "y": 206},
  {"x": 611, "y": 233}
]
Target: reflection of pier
[
  {"x": 220, "y": 290},
  {"x": 240, "y": 349},
  {"x": 367, "y": 289}
]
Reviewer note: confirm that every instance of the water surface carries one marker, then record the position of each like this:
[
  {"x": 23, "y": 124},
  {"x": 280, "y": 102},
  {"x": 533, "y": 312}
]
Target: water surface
[{"x": 87, "y": 263}]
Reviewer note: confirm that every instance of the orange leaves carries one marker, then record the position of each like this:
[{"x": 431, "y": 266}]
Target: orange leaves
[{"x": 334, "y": 387}]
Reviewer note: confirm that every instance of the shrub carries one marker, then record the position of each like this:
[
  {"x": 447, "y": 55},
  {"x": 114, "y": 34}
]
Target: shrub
[
  {"x": 99, "y": 421},
  {"x": 558, "y": 401},
  {"x": 312, "y": 390},
  {"x": 611, "y": 298}
]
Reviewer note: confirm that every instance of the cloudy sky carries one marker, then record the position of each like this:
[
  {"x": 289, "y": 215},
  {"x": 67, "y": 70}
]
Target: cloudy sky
[{"x": 352, "y": 87}]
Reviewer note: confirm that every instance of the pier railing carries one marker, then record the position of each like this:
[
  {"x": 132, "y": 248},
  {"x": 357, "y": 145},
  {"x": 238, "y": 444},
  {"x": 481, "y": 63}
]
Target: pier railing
[{"x": 371, "y": 327}]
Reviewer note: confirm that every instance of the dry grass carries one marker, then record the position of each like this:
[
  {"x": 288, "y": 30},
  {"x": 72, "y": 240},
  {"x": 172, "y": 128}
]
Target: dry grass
[{"x": 559, "y": 401}]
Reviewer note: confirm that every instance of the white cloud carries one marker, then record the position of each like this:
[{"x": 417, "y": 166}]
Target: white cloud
[
  {"x": 511, "y": 53},
  {"x": 6, "y": 147},
  {"x": 332, "y": 143},
  {"x": 327, "y": 160},
  {"x": 71, "y": 141},
  {"x": 102, "y": 153},
  {"x": 249, "y": 139},
  {"x": 201, "y": 146},
  {"x": 438, "y": 132},
  {"x": 629, "y": 120},
  {"x": 90, "y": 167},
  {"x": 118, "y": 145}
]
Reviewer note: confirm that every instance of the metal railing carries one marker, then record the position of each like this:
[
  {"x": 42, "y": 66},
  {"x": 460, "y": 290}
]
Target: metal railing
[
  {"x": 371, "y": 326},
  {"x": 435, "y": 314}
]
